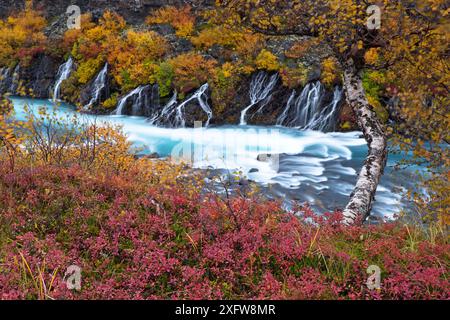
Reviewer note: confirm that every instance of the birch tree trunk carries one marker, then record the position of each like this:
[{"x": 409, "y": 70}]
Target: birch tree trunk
[{"x": 362, "y": 197}]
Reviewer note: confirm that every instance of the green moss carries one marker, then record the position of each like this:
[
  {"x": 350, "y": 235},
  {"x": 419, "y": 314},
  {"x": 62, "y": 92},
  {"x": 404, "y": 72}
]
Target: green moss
[
  {"x": 111, "y": 102},
  {"x": 372, "y": 83},
  {"x": 164, "y": 78}
]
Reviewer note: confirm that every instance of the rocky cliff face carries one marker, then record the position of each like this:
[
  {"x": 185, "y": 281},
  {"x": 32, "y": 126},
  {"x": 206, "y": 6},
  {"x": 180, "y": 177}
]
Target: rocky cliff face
[
  {"x": 134, "y": 11},
  {"x": 40, "y": 75}
]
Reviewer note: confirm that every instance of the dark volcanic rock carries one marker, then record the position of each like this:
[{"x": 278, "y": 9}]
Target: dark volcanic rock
[
  {"x": 134, "y": 11},
  {"x": 87, "y": 93},
  {"x": 37, "y": 78},
  {"x": 40, "y": 75}
]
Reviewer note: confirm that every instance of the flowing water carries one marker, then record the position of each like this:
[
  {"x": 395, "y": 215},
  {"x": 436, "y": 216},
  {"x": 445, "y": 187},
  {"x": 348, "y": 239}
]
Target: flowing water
[
  {"x": 15, "y": 80},
  {"x": 173, "y": 114},
  {"x": 261, "y": 88},
  {"x": 63, "y": 74},
  {"x": 138, "y": 101},
  {"x": 307, "y": 165},
  {"x": 99, "y": 85},
  {"x": 308, "y": 111}
]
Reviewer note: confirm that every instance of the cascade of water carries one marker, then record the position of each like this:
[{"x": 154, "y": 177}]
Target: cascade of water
[
  {"x": 63, "y": 74},
  {"x": 99, "y": 85},
  {"x": 202, "y": 98},
  {"x": 15, "y": 80},
  {"x": 155, "y": 105},
  {"x": 307, "y": 110},
  {"x": 173, "y": 113},
  {"x": 260, "y": 89},
  {"x": 137, "y": 97},
  {"x": 325, "y": 120},
  {"x": 166, "y": 112},
  {"x": 4, "y": 77},
  {"x": 282, "y": 118}
]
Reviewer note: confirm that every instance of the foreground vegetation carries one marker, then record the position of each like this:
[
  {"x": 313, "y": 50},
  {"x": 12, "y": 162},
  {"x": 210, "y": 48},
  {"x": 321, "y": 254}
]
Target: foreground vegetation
[
  {"x": 149, "y": 229},
  {"x": 137, "y": 237}
]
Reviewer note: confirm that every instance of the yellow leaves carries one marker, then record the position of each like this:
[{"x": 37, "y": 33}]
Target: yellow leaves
[
  {"x": 191, "y": 70},
  {"x": 23, "y": 32},
  {"x": 267, "y": 61},
  {"x": 330, "y": 71},
  {"x": 146, "y": 44},
  {"x": 133, "y": 55},
  {"x": 378, "y": 108},
  {"x": 228, "y": 69},
  {"x": 371, "y": 56},
  {"x": 377, "y": 77},
  {"x": 87, "y": 69},
  {"x": 360, "y": 45},
  {"x": 239, "y": 40},
  {"x": 134, "y": 59},
  {"x": 112, "y": 22},
  {"x": 180, "y": 18}
]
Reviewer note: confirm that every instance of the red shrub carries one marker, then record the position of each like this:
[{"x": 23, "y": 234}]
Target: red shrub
[{"x": 149, "y": 241}]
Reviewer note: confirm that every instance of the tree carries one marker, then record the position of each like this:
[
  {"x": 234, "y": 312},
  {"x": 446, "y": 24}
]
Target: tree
[
  {"x": 22, "y": 36},
  {"x": 410, "y": 42}
]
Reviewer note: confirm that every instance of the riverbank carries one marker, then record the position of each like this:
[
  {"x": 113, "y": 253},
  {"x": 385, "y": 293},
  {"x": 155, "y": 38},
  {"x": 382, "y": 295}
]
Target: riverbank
[{"x": 307, "y": 166}]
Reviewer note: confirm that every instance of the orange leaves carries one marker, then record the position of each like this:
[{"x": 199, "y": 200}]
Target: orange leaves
[
  {"x": 72, "y": 35},
  {"x": 136, "y": 55},
  {"x": 299, "y": 49},
  {"x": 241, "y": 41},
  {"x": 22, "y": 32},
  {"x": 133, "y": 56},
  {"x": 191, "y": 70},
  {"x": 180, "y": 18},
  {"x": 330, "y": 71},
  {"x": 112, "y": 21},
  {"x": 148, "y": 44}
]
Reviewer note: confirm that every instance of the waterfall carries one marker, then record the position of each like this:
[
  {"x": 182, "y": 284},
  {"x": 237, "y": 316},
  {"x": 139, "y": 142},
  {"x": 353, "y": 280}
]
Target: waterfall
[
  {"x": 154, "y": 96},
  {"x": 4, "y": 77},
  {"x": 137, "y": 96},
  {"x": 15, "y": 80},
  {"x": 307, "y": 111},
  {"x": 282, "y": 118},
  {"x": 202, "y": 99},
  {"x": 144, "y": 100},
  {"x": 260, "y": 89},
  {"x": 63, "y": 74},
  {"x": 99, "y": 85},
  {"x": 325, "y": 120},
  {"x": 166, "y": 112},
  {"x": 174, "y": 113}
]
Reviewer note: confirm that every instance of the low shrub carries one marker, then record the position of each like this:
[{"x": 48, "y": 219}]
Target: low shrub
[{"x": 137, "y": 235}]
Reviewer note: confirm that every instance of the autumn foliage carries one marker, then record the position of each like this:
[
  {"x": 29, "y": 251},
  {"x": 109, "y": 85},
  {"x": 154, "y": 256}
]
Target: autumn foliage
[
  {"x": 22, "y": 37},
  {"x": 135, "y": 237},
  {"x": 180, "y": 18}
]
